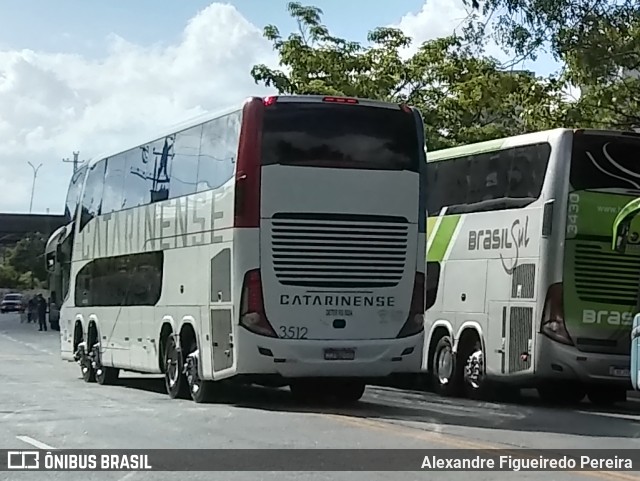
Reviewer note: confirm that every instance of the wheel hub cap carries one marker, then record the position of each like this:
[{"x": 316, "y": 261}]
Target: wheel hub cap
[{"x": 445, "y": 365}]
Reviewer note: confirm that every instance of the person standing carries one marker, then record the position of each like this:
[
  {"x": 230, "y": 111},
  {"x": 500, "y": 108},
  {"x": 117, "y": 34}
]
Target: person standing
[
  {"x": 31, "y": 310},
  {"x": 42, "y": 312}
]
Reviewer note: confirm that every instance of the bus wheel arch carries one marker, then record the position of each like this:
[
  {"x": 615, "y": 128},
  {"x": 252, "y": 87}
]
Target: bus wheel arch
[
  {"x": 165, "y": 331},
  {"x": 92, "y": 334},
  {"x": 78, "y": 336}
]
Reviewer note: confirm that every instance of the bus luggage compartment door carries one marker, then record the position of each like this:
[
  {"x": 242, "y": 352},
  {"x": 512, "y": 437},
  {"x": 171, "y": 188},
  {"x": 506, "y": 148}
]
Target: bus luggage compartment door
[{"x": 220, "y": 310}]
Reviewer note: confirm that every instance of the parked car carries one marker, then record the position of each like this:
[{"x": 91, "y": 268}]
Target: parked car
[{"x": 13, "y": 302}]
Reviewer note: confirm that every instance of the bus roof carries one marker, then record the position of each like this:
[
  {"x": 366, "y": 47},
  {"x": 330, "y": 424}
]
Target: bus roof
[{"x": 506, "y": 142}]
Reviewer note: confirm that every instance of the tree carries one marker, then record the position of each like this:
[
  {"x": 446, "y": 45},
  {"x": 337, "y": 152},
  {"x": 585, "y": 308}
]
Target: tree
[
  {"x": 463, "y": 98},
  {"x": 598, "y": 41},
  {"x": 317, "y": 62},
  {"x": 27, "y": 257},
  {"x": 9, "y": 278}
]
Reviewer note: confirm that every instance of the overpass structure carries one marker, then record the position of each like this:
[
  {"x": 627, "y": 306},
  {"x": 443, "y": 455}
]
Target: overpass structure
[{"x": 14, "y": 227}]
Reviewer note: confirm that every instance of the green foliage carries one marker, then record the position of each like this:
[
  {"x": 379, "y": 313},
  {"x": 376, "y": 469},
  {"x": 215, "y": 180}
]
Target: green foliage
[
  {"x": 316, "y": 62},
  {"x": 8, "y": 276},
  {"x": 463, "y": 98},
  {"x": 598, "y": 41},
  {"x": 22, "y": 267}
]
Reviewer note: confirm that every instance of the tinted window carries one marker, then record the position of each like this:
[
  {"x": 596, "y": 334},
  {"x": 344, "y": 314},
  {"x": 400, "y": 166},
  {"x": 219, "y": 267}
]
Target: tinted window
[
  {"x": 131, "y": 280},
  {"x": 219, "y": 149},
  {"x": 334, "y": 135},
  {"x": 184, "y": 162},
  {"x": 138, "y": 179},
  {"x": 506, "y": 179},
  {"x": 92, "y": 197},
  {"x": 160, "y": 156},
  {"x": 73, "y": 194},
  {"x": 112, "y": 196},
  {"x": 605, "y": 162}
]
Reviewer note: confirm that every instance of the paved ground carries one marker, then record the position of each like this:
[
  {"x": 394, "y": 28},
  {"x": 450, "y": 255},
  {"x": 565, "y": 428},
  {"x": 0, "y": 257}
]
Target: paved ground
[{"x": 43, "y": 402}]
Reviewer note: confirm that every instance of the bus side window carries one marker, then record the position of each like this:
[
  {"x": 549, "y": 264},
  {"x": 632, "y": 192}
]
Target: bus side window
[
  {"x": 519, "y": 167},
  {"x": 433, "y": 279}
]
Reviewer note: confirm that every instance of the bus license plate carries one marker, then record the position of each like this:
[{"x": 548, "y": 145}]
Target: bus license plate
[
  {"x": 339, "y": 354},
  {"x": 619, "y": 371}
]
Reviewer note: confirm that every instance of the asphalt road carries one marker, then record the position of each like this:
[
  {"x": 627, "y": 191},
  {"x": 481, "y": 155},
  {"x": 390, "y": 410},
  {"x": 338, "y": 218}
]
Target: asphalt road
[{"x": 44, "y": 403}]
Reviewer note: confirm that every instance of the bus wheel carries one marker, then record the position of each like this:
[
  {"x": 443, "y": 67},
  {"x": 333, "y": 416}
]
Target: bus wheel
[
  {"x": 444, "y": 369},
  {"x": 104, "y": 375},
  {"x": 475, "y": 384},
  {"x": 348, "y": 391},
  {"x": 84, "y": 360},
  {"x": 606, "y": 397},
  {"x": 174, "y": 379},
  {"x": 307, "y": 391},
  {"x": 564, "y": 394},
  {"x": 198, "y": 388}
]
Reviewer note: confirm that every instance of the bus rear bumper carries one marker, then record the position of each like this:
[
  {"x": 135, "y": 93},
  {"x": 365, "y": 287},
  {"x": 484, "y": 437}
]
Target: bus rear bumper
[
  {"x": 306, "y": 358},
  {"x": 557, "y": 361}
]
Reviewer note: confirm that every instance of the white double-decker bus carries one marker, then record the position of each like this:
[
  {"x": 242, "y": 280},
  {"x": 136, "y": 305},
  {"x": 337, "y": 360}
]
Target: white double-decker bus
[
  {"x": 280, "y": 243},
  {"x": 524, "y": 287}
]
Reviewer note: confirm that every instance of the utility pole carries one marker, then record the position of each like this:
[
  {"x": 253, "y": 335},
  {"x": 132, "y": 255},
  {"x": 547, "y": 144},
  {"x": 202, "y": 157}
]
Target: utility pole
[
  {"x": 33, "y": 186},
  {"x": 75, "y": 161}
]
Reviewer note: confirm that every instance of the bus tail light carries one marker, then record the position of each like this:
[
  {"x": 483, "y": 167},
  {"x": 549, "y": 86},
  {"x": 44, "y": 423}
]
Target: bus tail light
[
  {"x": 415, "y": 322},
  {"x": 553, "y": 325},
  {"x": 247, "y": 189},
  {"x": 252, "y": 315},
  {"x": 340, "y": 100},
  {"x": 270, "y": 100}
]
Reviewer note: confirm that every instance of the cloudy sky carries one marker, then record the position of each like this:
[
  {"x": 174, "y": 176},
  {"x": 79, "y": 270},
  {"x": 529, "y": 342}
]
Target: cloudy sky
[{"x": 96, "y": 76}]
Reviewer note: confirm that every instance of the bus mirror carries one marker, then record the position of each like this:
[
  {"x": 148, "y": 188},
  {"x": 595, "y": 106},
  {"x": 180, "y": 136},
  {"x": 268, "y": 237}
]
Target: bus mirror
[
  {"x": 620, "y": 239},
  {"x": 622, "y": 225}
]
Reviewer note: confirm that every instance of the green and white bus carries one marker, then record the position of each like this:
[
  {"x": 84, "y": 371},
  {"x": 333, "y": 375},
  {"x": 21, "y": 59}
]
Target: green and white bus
[{"x": 523, "y": 285}]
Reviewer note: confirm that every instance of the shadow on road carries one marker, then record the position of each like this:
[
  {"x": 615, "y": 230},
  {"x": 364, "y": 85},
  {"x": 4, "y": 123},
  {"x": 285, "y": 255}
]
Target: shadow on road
[{"x": 391, "y": 404}]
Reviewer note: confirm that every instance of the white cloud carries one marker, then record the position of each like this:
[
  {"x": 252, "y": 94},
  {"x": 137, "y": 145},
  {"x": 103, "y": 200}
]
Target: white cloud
[
  {"x": 440, "y": 18},
  {"x": 437, "y": 18},
  {"x": 51, "y": 104}
]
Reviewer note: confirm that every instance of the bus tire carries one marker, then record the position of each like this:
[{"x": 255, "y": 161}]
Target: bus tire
[
  {"x": 105, "y": 376},
  {"x": 174, "y": 379},
  {"x": 561, "y": 393},
  {"x": 348, "y": 392},
  {"x": 88, "y": 373},
  {"x": 475, "y": 382},
  {"x": 199, "y": 389},
  {"x": 444, "y": 370},
  {"x": 606, "y": 397},
  {"x": 307, "y": 391}
]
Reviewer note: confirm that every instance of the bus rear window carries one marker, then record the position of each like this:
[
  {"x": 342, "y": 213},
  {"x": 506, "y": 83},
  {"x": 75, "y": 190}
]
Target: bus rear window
[
  {"x": 605, "y": 162},
  {"x": 339, "y": 136}
]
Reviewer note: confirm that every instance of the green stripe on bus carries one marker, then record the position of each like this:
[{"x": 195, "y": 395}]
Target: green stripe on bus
[{"x": 442, "y": 238}]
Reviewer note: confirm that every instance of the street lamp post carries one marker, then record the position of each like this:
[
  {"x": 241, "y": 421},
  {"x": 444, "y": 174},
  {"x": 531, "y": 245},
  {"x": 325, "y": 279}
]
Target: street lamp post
[{"x": 33, "y": 186}]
